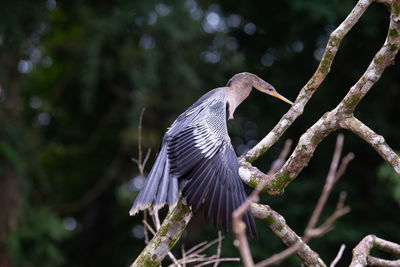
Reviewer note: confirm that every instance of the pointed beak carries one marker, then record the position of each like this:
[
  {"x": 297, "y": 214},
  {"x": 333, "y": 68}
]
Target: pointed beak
[{"x": 275, "y": 94}]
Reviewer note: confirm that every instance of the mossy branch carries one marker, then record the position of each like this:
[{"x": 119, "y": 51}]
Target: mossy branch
[
  {"x": 278, "y": 225},
  {"x": 311, "y": 86},
  {"x": 339, "y": 117},
  {"x": 166, "y": 237},
  {"x": 361, "y": 252},
  {"x": 376, "y": 141}
]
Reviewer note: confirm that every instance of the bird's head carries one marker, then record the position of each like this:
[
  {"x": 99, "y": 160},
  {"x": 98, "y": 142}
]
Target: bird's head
[
  {"x": 265, "y": 87},
  {"x": 242, "y": 83}
]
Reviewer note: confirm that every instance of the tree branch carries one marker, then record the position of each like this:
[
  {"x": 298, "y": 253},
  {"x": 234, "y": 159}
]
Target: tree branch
[
  {"x": 340, "y": 117},
  {"x": 335, "y": 172},
  {"x": 375, "y": 140},
  {"x": 166, "y": 237},
  {"x": 278, "y": 225},
  {"x": 332, "y": 120},
  {"x": 238, "y": 226},
  {"x": 311, "y": 86},
  {"x": 338, "y": 256},
  {"x": 361, "y": 252}
]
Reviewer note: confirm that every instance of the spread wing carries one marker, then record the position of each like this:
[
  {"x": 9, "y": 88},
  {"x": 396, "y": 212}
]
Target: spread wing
[{"x": 202, "y": 156}]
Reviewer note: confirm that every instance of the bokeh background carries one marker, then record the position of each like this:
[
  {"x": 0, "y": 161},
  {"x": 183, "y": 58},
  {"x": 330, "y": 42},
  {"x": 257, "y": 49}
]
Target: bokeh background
[{"x": 74, "y": 76}]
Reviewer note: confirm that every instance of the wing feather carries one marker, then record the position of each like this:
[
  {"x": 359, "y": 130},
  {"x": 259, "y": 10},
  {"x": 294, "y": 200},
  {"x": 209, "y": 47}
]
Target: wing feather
[{"x": 201, "y": 156}]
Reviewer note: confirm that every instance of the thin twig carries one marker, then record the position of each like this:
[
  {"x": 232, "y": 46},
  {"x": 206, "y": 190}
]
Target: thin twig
[
  {"x": 217, "y": 261},
  {"x": 193, "y": 255},
  {"x": 282, "y": 157},
  {"x": 334, "y": 174},
  {"x": 146, "y": 234},
  {"x": 139, "y": 160},
  {"x": 149, "y": 227},
  {"x": 238, "y": 226},
  {"x": 277, "y": 258},
  {"x": 146, "y": 157},
  {"x": 156, "y": 218},
  {"x": 196, "y": 247},
  {"x": 183, "y": 254},
  {"x": 312, "y": 84},
  {"x": 343, "y": 165},
  {"x": 204, "y": 247},
  {"x": 330, "y": 179},
  {"x": 218, "y": 248},
  {"x": 312, "y": 232},
  {"x": 338, "y": 256},
  {"x": 141, "y": 164},
  {"x": 278, "y": 225},
  {"x": 340, "y": 117},
  {"x": 174, "y": 260}
]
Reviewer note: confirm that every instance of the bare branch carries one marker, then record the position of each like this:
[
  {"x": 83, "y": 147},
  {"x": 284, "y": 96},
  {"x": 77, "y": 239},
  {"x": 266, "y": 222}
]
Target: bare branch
[
  {"x": 146, "y": 157},
  {"x": 327, "y": 225},
  {"x": 217, "y": 261},
  {"x": 218, "y": 248},
  {"x": 385, "y": 2},
  {"x": 194, "y": 254},
  {"x": 238, "y": 226},
  {"x": 330, "y": 181},
  {"x": 278, "y": 225},
  {"x": 338, "y": 256},
  {"x": 193, "y": 249},
  {"x": 343, "y": 165},
  {"x": 139, "y": 159},
  {"x": 282, "y": 157},
  {"x": 239, "y": 229},
  {"x": 166, "y": 237},
  {"x": 335, "y": 172},
  {"x": 146, "y": 234},
  {"x": 311, "y": 231},
  {"x": 277, "y": 258},
  {"x": 148, "y": 226},
  {"x": 183, "y": 254},
  {"x": 171, "y": 256},
  {"x": 373, "y": 261},
  {"x": 340, "y": 117},
  {"x": 331, "y": 120},
  {"x": 156, "y": 218},
  {"x": 311, "y": 86},
  {"x": 375, "y": 140},
  {"x": 361, "y": 251},
  {"x": 205, "y": 245},
  {"x": 141, "y": 164}
]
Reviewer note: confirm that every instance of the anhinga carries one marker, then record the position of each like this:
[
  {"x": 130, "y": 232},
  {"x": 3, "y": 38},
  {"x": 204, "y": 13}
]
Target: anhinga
[{"x": 197, "y": 157}]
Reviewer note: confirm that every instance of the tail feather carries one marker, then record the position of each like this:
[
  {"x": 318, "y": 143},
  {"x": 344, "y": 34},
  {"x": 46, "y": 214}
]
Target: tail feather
[
  {"x": 163, "y": 188},
  {"x": 156, "y": 186},
  {"x": 153, "y": 179},
  {"x": 173, "y": 192}
]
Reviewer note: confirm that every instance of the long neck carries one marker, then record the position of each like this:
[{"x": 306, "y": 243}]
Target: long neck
[{"x": 238, "y": 89}]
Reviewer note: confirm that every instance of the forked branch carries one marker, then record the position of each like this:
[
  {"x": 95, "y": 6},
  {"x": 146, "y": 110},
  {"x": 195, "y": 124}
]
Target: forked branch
[{"x": 339, "y": 117}]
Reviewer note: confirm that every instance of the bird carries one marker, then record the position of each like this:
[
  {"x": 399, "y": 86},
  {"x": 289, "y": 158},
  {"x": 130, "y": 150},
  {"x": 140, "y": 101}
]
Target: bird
[{"x": 197, "y": 160}]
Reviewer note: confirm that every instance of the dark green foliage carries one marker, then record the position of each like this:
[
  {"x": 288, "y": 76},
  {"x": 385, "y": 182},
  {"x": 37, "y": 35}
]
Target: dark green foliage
[
  {"x": 36, "y": 241},
  {"x": 74, "y": 76}
]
